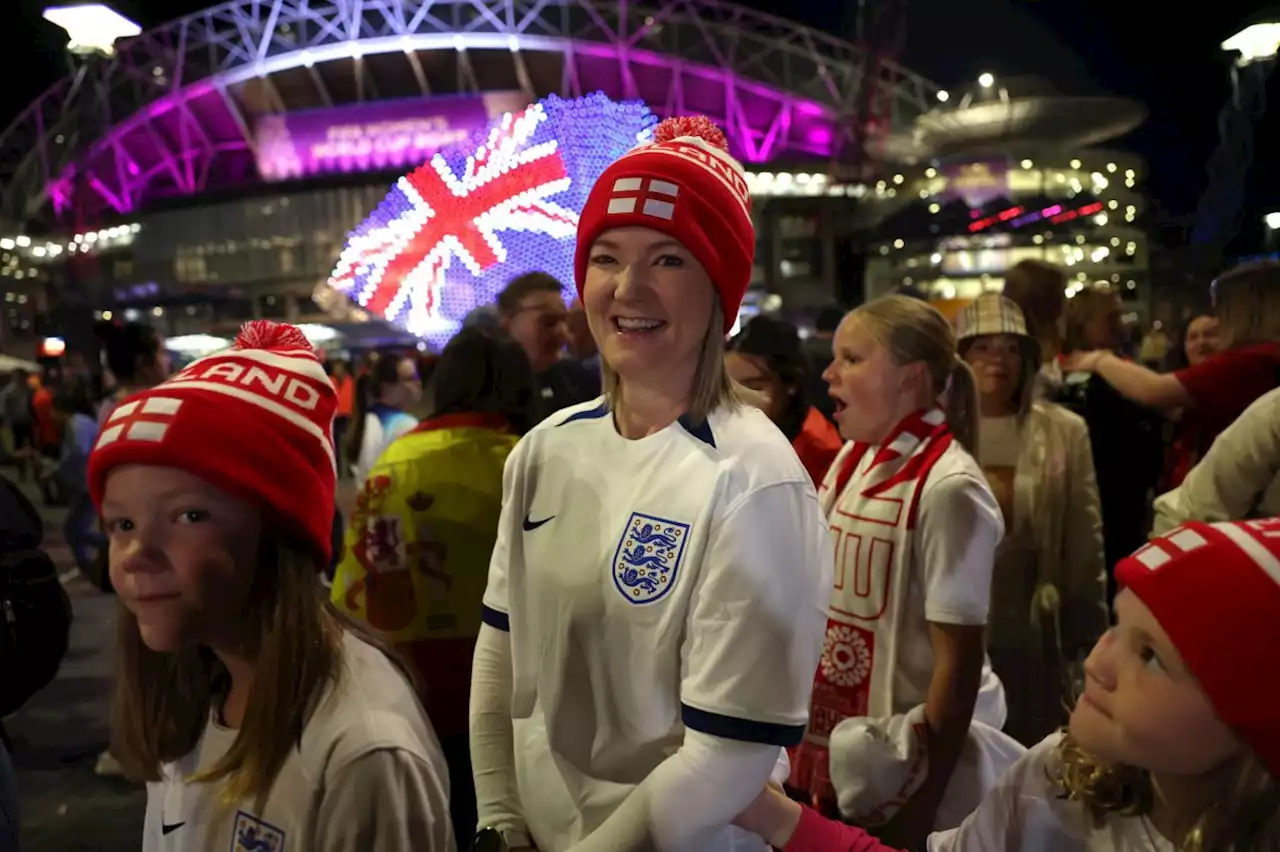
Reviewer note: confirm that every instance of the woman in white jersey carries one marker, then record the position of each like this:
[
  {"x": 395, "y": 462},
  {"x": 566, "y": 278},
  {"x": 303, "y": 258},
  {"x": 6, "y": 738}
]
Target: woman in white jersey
[
  {"x": 1174, "y": 744},
  {"x": 657, "y": 591},
  {"x": 258, "y": 717},
  {"x": 915, "y": 529}
]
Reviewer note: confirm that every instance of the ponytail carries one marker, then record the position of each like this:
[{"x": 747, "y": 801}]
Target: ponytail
[
  {"x": 364, "y": 391},
  {"x": 962, "y": 405}
]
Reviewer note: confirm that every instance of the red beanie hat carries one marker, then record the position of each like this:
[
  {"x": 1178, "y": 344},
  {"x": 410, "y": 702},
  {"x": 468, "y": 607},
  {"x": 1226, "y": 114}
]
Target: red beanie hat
[
  {"x": 1215, "y": 589},
  {"x": 685, "y": 185},
  {"x": 254, "y": 420}
]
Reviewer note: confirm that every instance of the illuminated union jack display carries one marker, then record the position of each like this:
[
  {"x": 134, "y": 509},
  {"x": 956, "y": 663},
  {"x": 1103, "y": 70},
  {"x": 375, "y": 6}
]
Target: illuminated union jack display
[{"x": 453, "y": 232}]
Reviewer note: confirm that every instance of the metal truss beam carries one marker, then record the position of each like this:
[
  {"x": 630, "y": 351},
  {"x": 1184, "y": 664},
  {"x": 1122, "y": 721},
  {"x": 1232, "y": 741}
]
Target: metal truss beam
[{"x": 752, "y": 55}]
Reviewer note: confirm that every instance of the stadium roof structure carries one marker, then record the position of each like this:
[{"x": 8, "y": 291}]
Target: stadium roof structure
[{"x": 172, "y": 112}]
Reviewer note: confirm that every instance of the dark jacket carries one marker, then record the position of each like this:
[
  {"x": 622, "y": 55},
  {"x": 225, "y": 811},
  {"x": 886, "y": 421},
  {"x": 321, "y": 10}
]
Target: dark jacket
[
  {"x": 568, "y": 383},
  {"x": 9, "y": 825}
]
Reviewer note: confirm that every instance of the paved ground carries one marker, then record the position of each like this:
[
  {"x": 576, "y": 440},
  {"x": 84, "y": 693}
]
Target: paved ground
[{"x": 58, "y": 734}]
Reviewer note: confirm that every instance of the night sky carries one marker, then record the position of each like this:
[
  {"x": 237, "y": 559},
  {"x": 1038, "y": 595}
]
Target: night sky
[{"x": 1081, "y": 46}]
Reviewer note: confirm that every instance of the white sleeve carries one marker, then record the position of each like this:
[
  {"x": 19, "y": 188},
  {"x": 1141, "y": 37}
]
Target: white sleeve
[
  {"x": 754, "y": 631},
  {"x": 689, "y": 796},
  {"x": 386, "y": 801},
  {"x": 493, "y": 764},
  {"x": 1021, "y": 813},
  {"x": 1228, "y": 482},
  {"x": 370, "y": 443},
  {"x": 955, "y": 546}
]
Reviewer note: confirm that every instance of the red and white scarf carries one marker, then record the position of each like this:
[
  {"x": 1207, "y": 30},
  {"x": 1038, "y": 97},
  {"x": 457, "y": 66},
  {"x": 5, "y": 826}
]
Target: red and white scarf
[{"x": 872, "y": 511}]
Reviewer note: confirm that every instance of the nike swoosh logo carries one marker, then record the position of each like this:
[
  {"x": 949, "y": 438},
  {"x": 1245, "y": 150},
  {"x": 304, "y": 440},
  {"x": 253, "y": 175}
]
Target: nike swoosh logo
[
  {"x": 170, "y": 829},
  {"x": 530, "y": 526}
]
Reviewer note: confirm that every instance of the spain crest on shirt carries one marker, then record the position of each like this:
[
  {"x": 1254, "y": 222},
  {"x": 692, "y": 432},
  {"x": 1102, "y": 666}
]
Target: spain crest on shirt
[
  {"x": 647, "y": 560},
  {"x": 253, "y": 835}
]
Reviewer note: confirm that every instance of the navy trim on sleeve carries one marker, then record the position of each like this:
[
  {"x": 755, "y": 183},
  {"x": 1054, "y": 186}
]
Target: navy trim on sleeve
[
  {"x": 743, "y": 730},
  {"x": 495, "y": 619}
]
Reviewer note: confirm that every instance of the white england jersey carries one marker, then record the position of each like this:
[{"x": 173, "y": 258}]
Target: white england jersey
[
  {"x": 1026, "y": 812},
  {"x": 680, "y": 580},
  {"x": 367, "y": 775}
]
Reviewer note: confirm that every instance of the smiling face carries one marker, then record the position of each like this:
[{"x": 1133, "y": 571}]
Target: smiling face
[
  {"x": 872, "y": 392},
  {"x": 649, "y": 304},
  {"x": 182, "y": 554},
  {"x": 996, "y": 360},
  {"x": 1141, "y": 707}
]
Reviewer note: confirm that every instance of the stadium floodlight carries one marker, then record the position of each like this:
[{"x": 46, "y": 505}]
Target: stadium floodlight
[
  {"x": 1255, "y": 42},
  {"x": 93, "y": 27}
]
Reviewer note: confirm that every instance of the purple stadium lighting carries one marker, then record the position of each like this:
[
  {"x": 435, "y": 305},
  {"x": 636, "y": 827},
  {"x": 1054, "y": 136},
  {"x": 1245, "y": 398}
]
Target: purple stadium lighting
[
  {"x": 176, "y": 111},
  {"x": 453, "y": 232}
]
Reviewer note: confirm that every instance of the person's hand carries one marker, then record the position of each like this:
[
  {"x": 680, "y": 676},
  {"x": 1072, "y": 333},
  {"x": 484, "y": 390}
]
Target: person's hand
[
  {"x": 772, "y": 815},
  {"x": 1082, "y": 362}
]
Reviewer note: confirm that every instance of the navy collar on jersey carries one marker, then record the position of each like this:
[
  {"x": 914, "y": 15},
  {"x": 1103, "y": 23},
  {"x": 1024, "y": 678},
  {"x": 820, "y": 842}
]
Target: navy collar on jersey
[{"x": 700, "y": 430}]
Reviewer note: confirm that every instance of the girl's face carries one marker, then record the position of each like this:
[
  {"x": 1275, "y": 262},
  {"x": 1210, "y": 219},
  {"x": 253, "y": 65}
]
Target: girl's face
[
  {"x": 996, "y": 360},
  {"x": 182, "y": 554},
  {"x": 872, "y": 393},
  {"x": 752, "y": 371},
  {"x": 1141, "y": 707}
]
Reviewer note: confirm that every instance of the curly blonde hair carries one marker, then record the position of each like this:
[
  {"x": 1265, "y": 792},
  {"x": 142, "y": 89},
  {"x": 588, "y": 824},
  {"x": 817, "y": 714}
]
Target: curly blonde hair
[{"x": 1246, "y": 818}]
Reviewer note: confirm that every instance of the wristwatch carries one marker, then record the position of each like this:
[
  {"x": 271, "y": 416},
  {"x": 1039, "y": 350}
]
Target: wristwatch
[{"x": 489, "y": 840}]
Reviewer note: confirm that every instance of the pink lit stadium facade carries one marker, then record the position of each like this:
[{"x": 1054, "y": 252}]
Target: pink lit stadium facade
[{"x": 211, "y": 170}]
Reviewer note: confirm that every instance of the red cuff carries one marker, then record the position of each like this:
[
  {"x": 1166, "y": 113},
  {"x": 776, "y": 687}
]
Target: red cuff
[{"x": 816, "y": 833}]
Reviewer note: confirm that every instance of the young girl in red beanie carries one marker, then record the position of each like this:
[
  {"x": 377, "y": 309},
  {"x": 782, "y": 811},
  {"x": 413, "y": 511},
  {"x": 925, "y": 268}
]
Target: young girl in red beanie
[
  {"x": 1174, "y": 745},
  {"x": 260, "y": 719}
]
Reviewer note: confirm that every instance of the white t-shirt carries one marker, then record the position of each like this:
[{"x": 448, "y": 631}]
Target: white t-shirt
[
  {"x": 947, "y": 576},
  {"x": 1001, "y": 441},
  {"x": 675, "y": 581},
  {"x": 1025, "y": 812},
  {"x": 367, "y": 776}
]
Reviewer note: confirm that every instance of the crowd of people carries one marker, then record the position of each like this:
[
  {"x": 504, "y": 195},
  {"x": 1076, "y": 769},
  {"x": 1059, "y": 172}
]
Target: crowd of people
[{"x": 997, "y": 581}]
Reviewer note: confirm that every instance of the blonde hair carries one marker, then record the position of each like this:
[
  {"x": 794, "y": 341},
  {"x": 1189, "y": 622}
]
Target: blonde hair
[
  {"x": 712, "y": 386},
  {"x": 1244, "y": 817},
  {"x": 163, "y": 701},
  {"x": 1247, "y": 303},
  {"x": 913, "y": 331}
]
